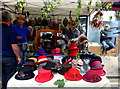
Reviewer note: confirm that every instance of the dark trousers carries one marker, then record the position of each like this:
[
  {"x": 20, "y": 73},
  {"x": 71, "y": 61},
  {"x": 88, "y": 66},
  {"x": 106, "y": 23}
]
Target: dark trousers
[{"x": 9, "y": 65}]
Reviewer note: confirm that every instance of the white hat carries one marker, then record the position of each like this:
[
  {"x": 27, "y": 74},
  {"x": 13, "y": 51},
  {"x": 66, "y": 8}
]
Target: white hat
[{"x": 107, "y": 25}]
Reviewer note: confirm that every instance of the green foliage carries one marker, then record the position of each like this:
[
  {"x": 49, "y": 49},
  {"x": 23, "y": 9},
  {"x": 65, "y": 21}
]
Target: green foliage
[{"x": 60, "y": 83}]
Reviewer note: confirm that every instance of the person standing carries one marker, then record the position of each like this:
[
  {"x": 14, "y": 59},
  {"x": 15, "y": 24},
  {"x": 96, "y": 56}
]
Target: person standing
[
  {"x": 10, "y": 50},
  {"x": 22, "y": 37},
  {"x": 105, "y": 40}
]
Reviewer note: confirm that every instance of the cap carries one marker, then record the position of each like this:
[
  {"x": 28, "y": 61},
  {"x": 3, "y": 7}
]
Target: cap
[{"x": 107, "y": 25}]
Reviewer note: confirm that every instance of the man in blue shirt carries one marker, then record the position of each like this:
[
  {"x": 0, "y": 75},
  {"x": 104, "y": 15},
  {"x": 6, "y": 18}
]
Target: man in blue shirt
[
  {"x": 10, "y": 50},
  {"x": 22, "y": 33}
]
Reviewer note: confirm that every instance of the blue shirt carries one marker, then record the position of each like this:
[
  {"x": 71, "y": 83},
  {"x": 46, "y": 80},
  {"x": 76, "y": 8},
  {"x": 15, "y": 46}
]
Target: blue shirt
[
  {"x": 8, "y": 38},
  {"x": 23, "y": 32}
]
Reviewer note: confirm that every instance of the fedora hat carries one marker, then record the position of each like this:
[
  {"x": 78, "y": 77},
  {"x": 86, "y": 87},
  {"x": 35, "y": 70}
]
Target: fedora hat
[
  {"x": 66, "y": 60},
  {"x": 44, "y": 75},
  {"x": 100, "y": 72},
  {"x": 73, "y": 74},
  {"x": 91, "y": 76},
  {"x": 95, "y": 58},
  {"x": 64, "y": 68},
  {"x": 56, "y": 52},
  {"x": 42, "y": 58},
  {"x": 96, "y": 65},
  {"x": 50, "y": 66}
]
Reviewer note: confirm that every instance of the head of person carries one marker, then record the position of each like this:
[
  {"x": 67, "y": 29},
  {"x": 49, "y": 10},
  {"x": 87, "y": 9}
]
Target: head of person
[
  {"x": 107, "y": 27},
  {"x": 6, "y": 17},
  {"x": 20, "y": 20}
]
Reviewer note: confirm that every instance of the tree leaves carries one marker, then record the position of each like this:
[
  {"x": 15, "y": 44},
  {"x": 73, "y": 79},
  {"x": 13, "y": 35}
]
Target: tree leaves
[{"x": 60, "y": 83}]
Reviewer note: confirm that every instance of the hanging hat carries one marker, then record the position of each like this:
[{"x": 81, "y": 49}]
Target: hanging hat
[
  {"x": 64, "y": 68},
  {"x": 73, "y": 74},
  {"x": 50, "y": 66},
  {"x": 33, "y": 58},
  {"x": 96, "y": 65},
  {"x": 42, "y": 58},
  {"x": 66, "y": 60},
  {"x": 91, "y": 76},
  {"x": 56, "y": 52},
  {"x": 44, "y": 75},
  {"x": 73, "y": 46}
]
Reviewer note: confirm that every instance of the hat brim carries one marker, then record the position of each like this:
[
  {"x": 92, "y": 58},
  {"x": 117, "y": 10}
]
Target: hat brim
[
  {"x": 101, "y": 67},
  {"x": 43, "y": 61},
  {"x": 42, "y": 80},
  {"x": 79, "y": 77},
  {"x": 101, "y": 73},
  {"x": 73, "y": 48},
  {"x": 85, "y": 79}
]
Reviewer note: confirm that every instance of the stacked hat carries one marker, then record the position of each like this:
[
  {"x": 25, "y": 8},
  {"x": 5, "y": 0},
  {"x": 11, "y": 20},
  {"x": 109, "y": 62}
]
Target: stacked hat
[
  {"x": 50, "y": 66},
  {"x": 56, "y": 52},
  {"x": 98, "y": 67},
  {"x": 64, "y": 68},
  {"x": 95, "y": 58},
  {"x": 42, "y": 58},
  {"x": 73, "y": 74},
  {"x": 44, "y": 75},
  {"x": 92, "y": 76},
  {"x": 73, "y": 50},
  {"x": 66, "y": 60},
  {"x": 41, "y": 51}
]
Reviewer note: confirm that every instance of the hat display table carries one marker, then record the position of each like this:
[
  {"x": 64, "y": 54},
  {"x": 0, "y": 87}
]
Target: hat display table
[{"x": 81, "y": 83}]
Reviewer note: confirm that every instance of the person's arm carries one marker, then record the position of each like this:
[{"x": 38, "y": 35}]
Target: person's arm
[{"x": 16, "y": 51}]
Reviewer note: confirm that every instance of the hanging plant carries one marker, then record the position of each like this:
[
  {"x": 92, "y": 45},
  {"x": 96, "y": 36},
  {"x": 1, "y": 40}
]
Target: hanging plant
[
  {"x": 78, "y": 8},
  {"x": 108, "y": 6},
  {"x": 21, "y": 4},
  {"x": 97, "y": 20},
  {"x": 90, "y": 4}
]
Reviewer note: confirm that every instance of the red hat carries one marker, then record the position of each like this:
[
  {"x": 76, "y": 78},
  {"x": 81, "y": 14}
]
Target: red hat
[
  {"x": 56, "y": 52},
  {"x": 73, "y": 46},
  {"x": 42, "y": 58},
  {"x": 73, "y": 52},
  {"x": 73, "y": 74},
  {"x": 92, "y": 76},
  {"x": 44, "y": 75},
  {"x": 100, "y": 72},
  {"x": 96, "y": 65}
]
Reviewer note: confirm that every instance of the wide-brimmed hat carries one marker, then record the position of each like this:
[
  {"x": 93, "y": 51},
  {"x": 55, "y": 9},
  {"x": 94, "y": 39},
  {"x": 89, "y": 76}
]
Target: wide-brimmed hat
[
  {"x": 91, "y": 76},
  {"x": 64, "y": 68},
  {"x": 96, "y": 65},
  {"x": 66, "y": 60},
  {"x": 56, "y": 52},
  {"x": 42, "y": 58},
  {"x": 100, "y": 72},
  {"x": 44, "y": 75},
  {"x": 73, "y": 74},
  {"x": 50, "y": 66}
]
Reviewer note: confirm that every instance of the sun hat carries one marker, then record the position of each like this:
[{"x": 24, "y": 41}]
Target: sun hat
[
  {"x": 96, "y": 65},
  {"x": 91, "y": 76},
  {"x": 42, "y": 58},
  {"x": 73, "y": 74},
  {"x": 44, "y": 75}
]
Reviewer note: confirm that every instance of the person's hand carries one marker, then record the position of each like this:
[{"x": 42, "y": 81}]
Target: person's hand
[
  {"x": 19, "y": 37},
  {"x": 19, "y": 60}
]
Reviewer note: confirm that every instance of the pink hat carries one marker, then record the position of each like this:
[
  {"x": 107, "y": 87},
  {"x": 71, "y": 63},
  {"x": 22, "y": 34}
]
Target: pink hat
[
  {"x": 96, "y": 65},
  {"x": 91, "y": 76},
  {"x": 100, "y": 72},
  {"x": 56, "y": 52},
  {"x": 73, "y": 74},
  {"x": 73, "y": 46},
  {"x": 42, "y": 58},
  {"x": 44, "y": 75}
]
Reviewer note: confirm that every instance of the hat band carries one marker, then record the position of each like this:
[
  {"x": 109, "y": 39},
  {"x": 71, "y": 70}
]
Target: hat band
[
  {"x": 44, "y": 59},
  {"x": 68, "y": 60},
  {"x": 96, "y": 66},
  {"x": 84, "y": 41}
]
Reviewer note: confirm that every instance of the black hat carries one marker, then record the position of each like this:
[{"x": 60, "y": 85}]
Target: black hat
[
  {"x": 66, "y": 59},
  {"x": 50, "y": 66},
  {"x": 95, "y": 58}
]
